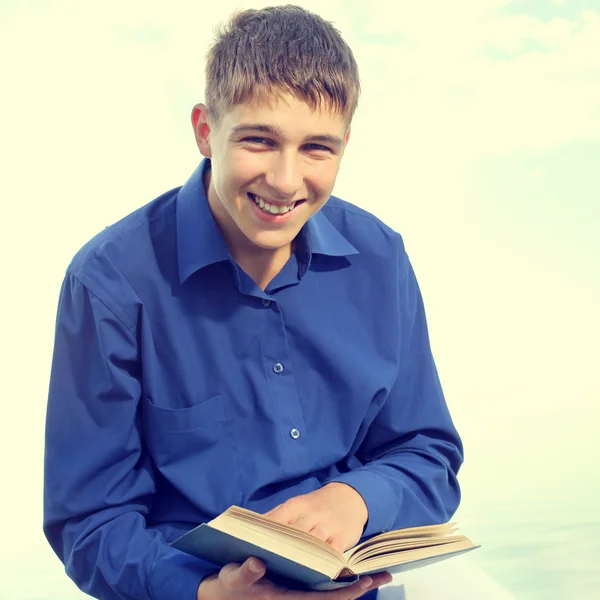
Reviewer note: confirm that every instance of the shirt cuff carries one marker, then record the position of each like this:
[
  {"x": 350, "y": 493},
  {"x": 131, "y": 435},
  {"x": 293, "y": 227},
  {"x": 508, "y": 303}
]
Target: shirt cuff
[
  {"x": 382, "y": 503},
  {"x": 178, "y": 575}
]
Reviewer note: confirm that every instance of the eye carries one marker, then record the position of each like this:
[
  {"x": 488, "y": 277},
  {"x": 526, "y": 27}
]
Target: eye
[
  {"x": 318, "y": 148},
  {"x": 257, "y": 140}
]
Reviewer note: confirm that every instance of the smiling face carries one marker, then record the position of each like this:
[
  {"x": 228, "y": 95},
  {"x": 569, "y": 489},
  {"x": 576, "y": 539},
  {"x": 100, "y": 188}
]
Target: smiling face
[{"x": 274, "y": 165}]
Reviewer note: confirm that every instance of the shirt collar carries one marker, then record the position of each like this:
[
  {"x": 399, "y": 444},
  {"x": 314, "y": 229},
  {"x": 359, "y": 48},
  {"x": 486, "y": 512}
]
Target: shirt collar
[
  {"x": 200, "y": 242},
  {"x": 321, "y": 237}
]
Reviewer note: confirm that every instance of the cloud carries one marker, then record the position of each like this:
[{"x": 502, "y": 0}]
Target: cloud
[{"x": 503, "y": 82}]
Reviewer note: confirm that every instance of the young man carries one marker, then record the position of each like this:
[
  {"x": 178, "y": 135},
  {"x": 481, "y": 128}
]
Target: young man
[{"x": 246, "y": 339}]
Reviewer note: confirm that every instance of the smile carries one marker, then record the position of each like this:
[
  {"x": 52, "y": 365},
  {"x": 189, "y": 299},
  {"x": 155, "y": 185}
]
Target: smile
[{"x": 273, "y": 209}]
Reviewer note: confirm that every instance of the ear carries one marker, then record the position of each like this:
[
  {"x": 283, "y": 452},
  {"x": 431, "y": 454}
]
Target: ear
[
  {"x": 347, "y": 138},
  {"x": 201, "y": 127}
]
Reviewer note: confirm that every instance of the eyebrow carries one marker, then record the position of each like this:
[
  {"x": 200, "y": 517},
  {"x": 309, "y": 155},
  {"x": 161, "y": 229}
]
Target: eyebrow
[{"x": 277, "y": 132}]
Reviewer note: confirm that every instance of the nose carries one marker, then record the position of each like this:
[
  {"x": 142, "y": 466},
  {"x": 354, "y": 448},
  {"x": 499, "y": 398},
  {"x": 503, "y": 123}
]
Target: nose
[{"x": 284, "y": 175}]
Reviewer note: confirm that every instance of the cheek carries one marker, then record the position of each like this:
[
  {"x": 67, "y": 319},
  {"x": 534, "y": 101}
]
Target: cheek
[
  {"x": 229, "y": 182},
  {"x": 241, "y": 172},
  {"x": 322, "y": 182}
]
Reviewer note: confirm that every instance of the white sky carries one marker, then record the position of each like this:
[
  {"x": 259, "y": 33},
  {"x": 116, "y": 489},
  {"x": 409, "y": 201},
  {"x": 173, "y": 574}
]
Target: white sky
[{"x": 477, "y": 137}]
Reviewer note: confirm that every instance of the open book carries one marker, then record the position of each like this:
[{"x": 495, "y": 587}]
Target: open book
[{"x": 297, "y": 559}]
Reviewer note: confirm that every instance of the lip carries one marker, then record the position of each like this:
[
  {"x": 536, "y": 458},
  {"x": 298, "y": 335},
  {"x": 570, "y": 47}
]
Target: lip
[{"x": 273, "y": 219}]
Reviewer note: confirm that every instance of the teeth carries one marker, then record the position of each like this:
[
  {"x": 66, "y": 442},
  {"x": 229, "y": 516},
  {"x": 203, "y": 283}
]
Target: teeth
[{"x": 271, "y": 208}]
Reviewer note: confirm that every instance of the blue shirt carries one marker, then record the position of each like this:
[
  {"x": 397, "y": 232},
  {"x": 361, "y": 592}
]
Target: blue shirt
[{"x": 179, "y": 388}]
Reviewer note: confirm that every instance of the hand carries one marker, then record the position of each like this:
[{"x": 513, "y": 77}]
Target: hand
[
  {"x": 247, "y": 582},
  {"x": 335, "y": 513}
]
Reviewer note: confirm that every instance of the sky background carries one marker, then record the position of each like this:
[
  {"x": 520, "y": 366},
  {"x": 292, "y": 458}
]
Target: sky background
[{"x": 477, "y": 137}]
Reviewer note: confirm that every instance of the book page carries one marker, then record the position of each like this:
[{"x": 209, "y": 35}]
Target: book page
[
  {"x": 402, "y": 546},
  {"x": 285, "y": 540},
  {"x": 386, "y": 561},
  {"x": 412, "y": 534},
  {"x": 253, "y": 519}
]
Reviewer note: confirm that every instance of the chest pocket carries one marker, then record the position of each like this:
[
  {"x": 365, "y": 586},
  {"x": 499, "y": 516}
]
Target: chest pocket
[{"x": 196, "y": 450}]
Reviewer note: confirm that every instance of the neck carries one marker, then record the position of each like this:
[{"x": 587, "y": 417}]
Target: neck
[{"x": 262, "y": 265}]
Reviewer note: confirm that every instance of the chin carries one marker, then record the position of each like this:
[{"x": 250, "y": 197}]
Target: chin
[{"x": 271, "y": 240}]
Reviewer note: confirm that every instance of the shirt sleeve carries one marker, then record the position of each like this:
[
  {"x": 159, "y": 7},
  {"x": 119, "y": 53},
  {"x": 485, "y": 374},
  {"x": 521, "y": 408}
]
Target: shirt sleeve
[
  {"x": 98, "y": 481},
  {"x": 411, "y": 454}
]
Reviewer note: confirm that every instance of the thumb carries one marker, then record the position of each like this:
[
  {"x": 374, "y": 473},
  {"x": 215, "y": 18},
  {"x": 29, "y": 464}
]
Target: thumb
[{"x": 241, "y": 577}]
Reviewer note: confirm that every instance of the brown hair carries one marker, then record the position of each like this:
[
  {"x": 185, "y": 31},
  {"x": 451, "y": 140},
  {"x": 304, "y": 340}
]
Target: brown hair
[{"x": 281, "y": 49}]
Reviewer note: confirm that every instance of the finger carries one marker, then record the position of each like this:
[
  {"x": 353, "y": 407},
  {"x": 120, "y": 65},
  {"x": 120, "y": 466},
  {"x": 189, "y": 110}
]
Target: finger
[
  {"x": 378, "y": 579},
  {"x": 351, "y": 592},
  {"x": 356, "y": 590},
  {"x": 282, "y": 514},
  {"x": 319, "y": 531},
  {"x": 337, "y": 544},
  {"x": 303, "y": 522},
  {"x": 365, "y": 584},
  {"x": 270, "y": 513},
  {"x": 241, "y": 577}
]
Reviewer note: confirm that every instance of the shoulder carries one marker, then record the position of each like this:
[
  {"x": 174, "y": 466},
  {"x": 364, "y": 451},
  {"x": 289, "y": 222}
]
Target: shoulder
[
  {"x": 119, "y": 261},
  {"x": 126, "y": 241}
]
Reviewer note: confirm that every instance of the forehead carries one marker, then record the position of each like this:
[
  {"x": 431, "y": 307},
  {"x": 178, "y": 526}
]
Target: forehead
[{"x": 286, "y": 113}]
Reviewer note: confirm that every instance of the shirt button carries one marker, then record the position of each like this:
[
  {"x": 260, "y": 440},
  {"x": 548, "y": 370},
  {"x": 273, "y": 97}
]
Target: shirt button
[
  {"x": 278, "y": 368},
  {"x": 295, "y": 434},
  {"x": 266, "y": 302}
]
